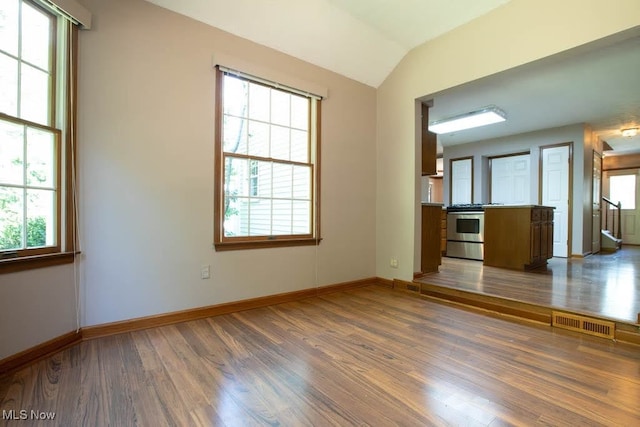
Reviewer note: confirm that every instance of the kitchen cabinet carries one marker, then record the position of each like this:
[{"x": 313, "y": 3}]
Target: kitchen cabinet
[
  {"x": 518, "y": 237},
  {"x": 443, "y": 232},
  {"x": 429, "y": 145},
  {"x": 431, "y": 238}
]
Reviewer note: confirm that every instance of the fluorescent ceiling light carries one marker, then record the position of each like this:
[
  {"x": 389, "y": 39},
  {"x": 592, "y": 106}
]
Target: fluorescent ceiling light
[
  {"x": 628, "y": 133},
  {"x": 485, "y": 116}
]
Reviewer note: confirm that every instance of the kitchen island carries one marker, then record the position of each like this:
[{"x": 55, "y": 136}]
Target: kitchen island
[{"x": 518, "y": 236}]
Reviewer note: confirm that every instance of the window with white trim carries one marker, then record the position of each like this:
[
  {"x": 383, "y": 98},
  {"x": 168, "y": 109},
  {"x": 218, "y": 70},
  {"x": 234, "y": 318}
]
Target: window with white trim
[
  {"x": 267, "y": 166},
  {"x": 36, "y": 213}
]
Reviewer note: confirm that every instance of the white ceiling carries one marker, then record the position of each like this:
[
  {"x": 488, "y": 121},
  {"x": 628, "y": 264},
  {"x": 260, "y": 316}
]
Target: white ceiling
[
  {"x": 365, "y": 40},
  {"x": 360, "y": 39},
  {"x": 598, "y": 86}
]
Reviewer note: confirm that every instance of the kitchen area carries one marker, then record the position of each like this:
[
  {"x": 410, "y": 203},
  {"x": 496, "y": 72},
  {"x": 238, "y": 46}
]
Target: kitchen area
[{"x": 507, "y": 231}]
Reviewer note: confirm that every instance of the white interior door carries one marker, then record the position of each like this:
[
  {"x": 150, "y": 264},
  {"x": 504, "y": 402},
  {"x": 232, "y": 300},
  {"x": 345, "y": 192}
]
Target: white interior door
[
  {"x": 555, "y": 192},
  {"x": 510, "y": 180},
  {"x": 461, "y": 181}
]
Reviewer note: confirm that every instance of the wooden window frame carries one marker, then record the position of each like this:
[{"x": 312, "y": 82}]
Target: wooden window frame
[
  {"x": 223, "y": 243},
  {"x": 64, "y": 250}
]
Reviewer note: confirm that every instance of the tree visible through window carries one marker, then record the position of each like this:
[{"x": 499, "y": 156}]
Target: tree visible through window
[
  {"x": 266, "y": 153},
  {"x": 33, "y": 162}
]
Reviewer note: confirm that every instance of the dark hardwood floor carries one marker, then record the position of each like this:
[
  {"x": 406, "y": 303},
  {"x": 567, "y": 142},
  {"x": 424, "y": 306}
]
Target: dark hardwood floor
[
  {"x": 369, "y": 356},
  {"x": 605, "y": 285}
]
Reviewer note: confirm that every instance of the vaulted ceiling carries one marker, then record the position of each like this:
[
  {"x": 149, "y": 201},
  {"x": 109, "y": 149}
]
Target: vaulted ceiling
[
  {"x": 360, "y": 39},
  {"x": 365, "y": 39}
]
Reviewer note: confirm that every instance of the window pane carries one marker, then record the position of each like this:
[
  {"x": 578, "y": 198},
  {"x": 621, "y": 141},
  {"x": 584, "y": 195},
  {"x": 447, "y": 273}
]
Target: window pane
[
  {"x": 258, "y": 139},
  {"x": 235, "y": 135},
  {"x": 299, "y": 146},
  {"x": 231, "y": 221},
  {"x": 268, "y": 175},
  {"x": 623, "y": 190},
  {"x": 36, "y": 34},
  {"x": 259, "y": 217},
  {"x": 11, "y": 153},
  {"x": 282, "y": 210},
  {"x": 282, "y": 180},
  {"x": 236, "y": 177},
  {"x": 280, "y": 108},
  {"x": 40, "y": 218},
  {"x": 258, "y": 102},
  {"x": 34, "y": 95},
  {"x": 8, "y": 85},
  {"x": 301, "y": 217},
  {"x": 11, "y": 218},
  {"x": 299, "y": 112},
  {"x": 263, "y": 179},
  {"x": 302, "y": 182},
  {"x": 9, "y": 26},
  {"x": 280, "y": 143},
  {"x": 40, "y": 158},
  {"x": 235, "y": 96}
]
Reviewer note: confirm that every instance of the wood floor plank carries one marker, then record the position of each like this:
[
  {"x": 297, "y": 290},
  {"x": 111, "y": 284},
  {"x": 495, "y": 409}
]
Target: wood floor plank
[
  {"x": 605, "y": 285},
  {"x": 368, "y": 356}
]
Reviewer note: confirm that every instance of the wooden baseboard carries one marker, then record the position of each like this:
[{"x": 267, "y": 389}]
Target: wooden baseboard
[
  {"x": 107, "y": 329},
  {"x": 385, "y": 282},
  {"x": 628, "y": 337},
  {"x": 33, "y": 354}
]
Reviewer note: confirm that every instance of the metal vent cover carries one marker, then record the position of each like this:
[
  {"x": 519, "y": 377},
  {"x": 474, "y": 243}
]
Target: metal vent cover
[{"x": 586, "y": 325}]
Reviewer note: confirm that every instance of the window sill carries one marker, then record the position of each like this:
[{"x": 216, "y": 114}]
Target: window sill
[
  {"x": 13, "y": 265},
  {"x": 261, "y": 244}
]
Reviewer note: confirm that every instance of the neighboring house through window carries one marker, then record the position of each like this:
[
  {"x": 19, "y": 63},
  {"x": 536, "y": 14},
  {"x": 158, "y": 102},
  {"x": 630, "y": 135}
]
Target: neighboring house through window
[{"x": 267, "y": 169}]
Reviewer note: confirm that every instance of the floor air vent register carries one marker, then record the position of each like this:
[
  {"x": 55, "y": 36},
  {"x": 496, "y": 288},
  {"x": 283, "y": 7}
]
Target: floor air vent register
[{"x": 586, "y": 325}]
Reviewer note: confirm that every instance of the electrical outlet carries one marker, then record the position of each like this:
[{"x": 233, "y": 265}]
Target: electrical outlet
[
  {"x": 393, "y": 263},
  {"x": 205, "y": 271}
]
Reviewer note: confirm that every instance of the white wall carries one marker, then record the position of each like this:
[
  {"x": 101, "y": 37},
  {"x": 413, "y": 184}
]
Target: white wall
[
  {"x": 146, "y": 111},
  {"x": 519, "y": 32}
]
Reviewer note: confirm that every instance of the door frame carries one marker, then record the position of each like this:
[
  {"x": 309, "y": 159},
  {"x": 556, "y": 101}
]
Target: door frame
[
  {"x": 597, "y": 200},
  {"x": 570, "y": 184}
]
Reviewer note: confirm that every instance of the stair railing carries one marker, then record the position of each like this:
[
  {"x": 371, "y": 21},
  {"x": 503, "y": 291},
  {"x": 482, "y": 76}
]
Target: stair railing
[{"x": 615, "y": 227}]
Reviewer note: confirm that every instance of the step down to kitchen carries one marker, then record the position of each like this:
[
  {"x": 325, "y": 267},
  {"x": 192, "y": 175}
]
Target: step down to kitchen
[
  {"x": 492, "y": 305},
  {"x": 586, "y": 325}
]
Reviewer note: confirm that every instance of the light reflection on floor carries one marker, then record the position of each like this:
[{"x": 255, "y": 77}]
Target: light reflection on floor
[{"x": 605, "y": 284}]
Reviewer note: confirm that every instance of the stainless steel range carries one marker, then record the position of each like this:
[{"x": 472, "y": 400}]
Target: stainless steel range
[{"x": 465, "y": 231}]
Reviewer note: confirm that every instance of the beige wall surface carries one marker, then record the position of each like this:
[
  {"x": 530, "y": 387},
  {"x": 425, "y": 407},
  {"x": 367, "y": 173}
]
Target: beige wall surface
[
  {"x": 146, "y": 161},
  {"x": 146, "y": 131},
  {"x": 36, "y": 306},
  {"x": 517, "y": 33}
]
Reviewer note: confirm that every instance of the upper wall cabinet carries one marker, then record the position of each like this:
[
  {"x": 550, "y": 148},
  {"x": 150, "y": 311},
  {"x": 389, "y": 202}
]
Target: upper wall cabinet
[{"x": 428, "y": 145}]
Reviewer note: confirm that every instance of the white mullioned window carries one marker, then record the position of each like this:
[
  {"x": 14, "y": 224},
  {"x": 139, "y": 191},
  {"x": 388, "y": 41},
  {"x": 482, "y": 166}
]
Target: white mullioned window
[{"x": 267, "y": 164}]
